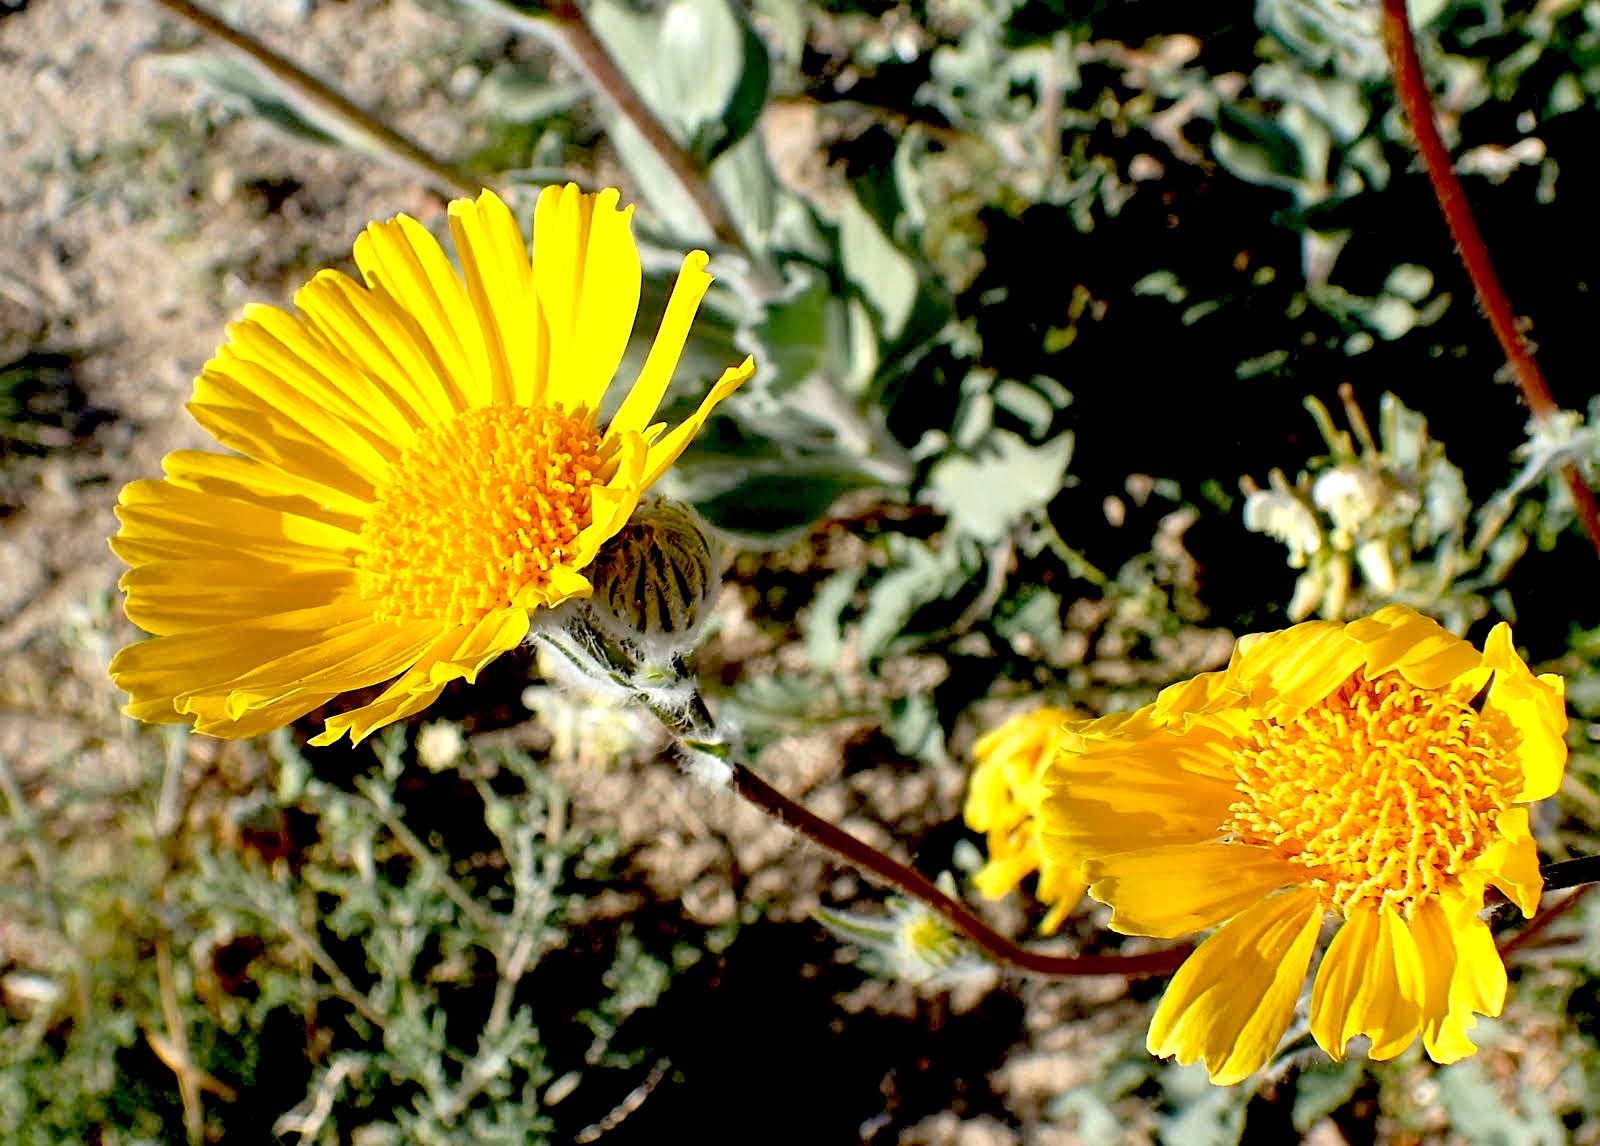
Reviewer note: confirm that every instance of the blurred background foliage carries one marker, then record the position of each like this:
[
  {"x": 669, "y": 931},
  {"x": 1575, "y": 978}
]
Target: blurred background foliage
[{"x": 1090, "y": 334}]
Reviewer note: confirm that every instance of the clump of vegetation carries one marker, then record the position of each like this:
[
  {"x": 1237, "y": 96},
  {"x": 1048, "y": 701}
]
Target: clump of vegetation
[{"x": 1029, "y": 292}]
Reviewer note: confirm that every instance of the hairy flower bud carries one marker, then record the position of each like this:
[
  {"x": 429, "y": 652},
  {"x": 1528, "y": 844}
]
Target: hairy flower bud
[{"x": 656, "y": 580}]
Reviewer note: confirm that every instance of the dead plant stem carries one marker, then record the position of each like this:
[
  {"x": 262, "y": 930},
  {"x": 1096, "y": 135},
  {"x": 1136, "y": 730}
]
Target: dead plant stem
[{"x": 330, "y": 101}]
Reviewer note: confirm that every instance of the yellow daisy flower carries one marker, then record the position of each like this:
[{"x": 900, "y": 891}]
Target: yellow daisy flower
[
  {"x": 1369, "y": 773},
  {"x": 1003, "y": 798},
  {"x": 423, "y": 470}
]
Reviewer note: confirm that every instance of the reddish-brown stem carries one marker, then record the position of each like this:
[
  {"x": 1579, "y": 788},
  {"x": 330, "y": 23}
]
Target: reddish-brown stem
[
  {"x": 918, "y": 886},
  {"x": 1545, "y": 917},
  {"x": 1412, "y": 89}
]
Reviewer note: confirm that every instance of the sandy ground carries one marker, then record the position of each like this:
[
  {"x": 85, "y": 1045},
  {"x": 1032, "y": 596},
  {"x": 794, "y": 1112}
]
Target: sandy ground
[{"x": 137, "y": 215}]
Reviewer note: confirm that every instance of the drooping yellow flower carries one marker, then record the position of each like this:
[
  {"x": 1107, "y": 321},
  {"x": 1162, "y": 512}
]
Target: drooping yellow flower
[
  {"x": 1003, "y": 798},
  {"x": 423, "y": 469},
  {"x": 1370, "y": 773}
]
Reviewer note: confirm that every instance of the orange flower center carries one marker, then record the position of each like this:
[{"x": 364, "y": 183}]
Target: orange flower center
[
  {"x": 477, "y": 512},
  {"x": 1383, "y": 791}
]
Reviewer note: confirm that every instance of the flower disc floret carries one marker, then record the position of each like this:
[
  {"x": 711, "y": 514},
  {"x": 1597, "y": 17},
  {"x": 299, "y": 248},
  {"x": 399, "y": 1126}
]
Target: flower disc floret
[
  {"x": 477, "y": 513},
  {"x": 1383, "y": 792}
]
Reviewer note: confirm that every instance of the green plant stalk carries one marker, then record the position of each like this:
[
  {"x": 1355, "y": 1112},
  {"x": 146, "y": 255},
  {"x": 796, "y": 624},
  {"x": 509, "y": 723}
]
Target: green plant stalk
[
  {"x": 331, "y": 101},
  {"x": 1412, "y": 88}
]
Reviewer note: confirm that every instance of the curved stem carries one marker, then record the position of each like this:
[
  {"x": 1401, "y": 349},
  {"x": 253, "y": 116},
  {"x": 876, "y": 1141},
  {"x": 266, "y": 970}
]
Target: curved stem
[
  {"x": 695, "y": 728},
  {"x": 1412, "y": 88},
  {"x": 914, "y": 884},
  {"x": 328, "y": 100}
]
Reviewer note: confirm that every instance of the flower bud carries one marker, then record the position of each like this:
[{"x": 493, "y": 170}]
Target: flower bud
[{"x": 656, "y": 580}]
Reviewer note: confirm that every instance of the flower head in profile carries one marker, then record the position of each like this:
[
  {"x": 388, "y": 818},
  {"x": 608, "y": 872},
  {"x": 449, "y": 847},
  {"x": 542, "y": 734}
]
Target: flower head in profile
[
  {"x": 421, "y": 468},
  {"x": 1003, "y": 798},
  {"x": 1370, "y": 773}
]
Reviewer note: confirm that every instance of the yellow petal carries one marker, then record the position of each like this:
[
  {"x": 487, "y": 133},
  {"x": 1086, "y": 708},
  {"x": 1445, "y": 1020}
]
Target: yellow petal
[
  {"x": 1536, "y": 709},
  {"x": 1399, "y": 639},
  {"x": 404, "y": 264},
  {"x": 1231, "y": 1001},
  {"x": 201, "y": 661},
  {"x": 343, "y": 661},
  {"x": 183, "y": 522},
  {"x": 1207, "y": 693},
  {"x": 1511, "y": 863},
  {"x": 1292, "y": 669},
  {"x": 210, "y": 718},
  {"x": 460, "y": 653},
  {"x": 1465, "y": 977},
  {"x": 402, "y": 382},
  {"x": 345, "y": 350},
  {"x": 1178, "y": 889},
  {"x": 169, "y": 597},
  {"x": 1004, "y": 871},
  {"x": 499, "y": 275},
  {"x": 247, "y": 480},
  {"x": 250, "y": 409},
  {"x": 1061, "y": 886},
  {"x": 587, "y": 277},
  {"x": 612, "y": 504},
  {"x": 1371, "y": 983},
  {"x": 666, "y": 451},
  {"x": 640, "y": 405},
  {"x": 1126, "y": 793}
]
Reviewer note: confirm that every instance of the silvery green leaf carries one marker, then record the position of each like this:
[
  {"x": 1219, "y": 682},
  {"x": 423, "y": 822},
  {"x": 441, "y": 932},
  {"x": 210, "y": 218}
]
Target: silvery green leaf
[
  {"x": 657, "y": 184},
  {"x": 988, "y": 493},
  {"x": 921, "y": 576},
  {"x": 743, "y": 178},
  {"x": 880, "y": 270},
  {"x": 699, "y": 61},
  {"x": 1034, "y": 409},
  {"x": 1339, "y": 104},
  {"x": 767, "y": 507},
  {"x": 1322, "y": 1089},
  {"x": 823, "y": 623},
  {"x": 794, "y": 332},
  {"x": 244, "y": 86},
  {"x": 631, "y": 39},
  {"x": 1481, "y": 1115},
  {"x": 912, "y": 725}
]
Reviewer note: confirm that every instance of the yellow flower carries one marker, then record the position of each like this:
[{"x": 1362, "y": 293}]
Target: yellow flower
[
  {"x": 1003, "y": 798},
  {"x": 1369, "y": 772},
  {"x": 423, "y": 469}
]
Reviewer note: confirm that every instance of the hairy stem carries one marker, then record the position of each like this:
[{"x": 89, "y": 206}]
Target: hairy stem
[
  {"x": 1412, "y": 89},
  {"x": 330, "y": 101}
]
